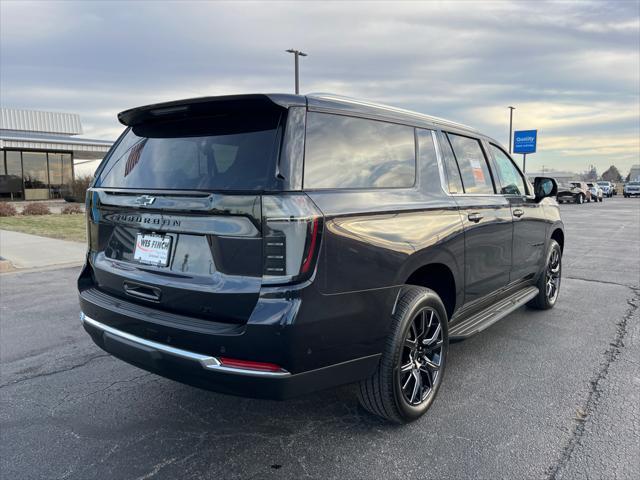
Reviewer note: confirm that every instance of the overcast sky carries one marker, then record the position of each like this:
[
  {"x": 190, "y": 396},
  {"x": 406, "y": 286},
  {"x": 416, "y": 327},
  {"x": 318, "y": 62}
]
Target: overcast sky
[{"x": 571, "y": 69}]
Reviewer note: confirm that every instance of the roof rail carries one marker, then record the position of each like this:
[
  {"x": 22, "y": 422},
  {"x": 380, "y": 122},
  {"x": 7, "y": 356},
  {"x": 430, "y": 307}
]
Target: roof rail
[{"x": 381, "y": 106}]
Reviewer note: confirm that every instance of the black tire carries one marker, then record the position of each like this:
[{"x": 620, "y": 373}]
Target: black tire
[
  {"x": 544, "y": 300},
  {"x": 382, "y": 394},
  {"x": 580, "y": 199}
]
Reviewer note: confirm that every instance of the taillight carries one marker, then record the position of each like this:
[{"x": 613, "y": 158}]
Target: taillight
[{"x": 292, "y": 227}]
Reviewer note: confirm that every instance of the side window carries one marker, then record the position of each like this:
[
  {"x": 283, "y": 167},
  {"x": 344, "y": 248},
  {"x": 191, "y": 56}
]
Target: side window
[
  {"x": 476, "y": 176},
  {"x": 349, "y": 152},
  {"x": 451, "y": 167},
  {"x": 510, "y": 178},
  {"x": 431, "y": 180}
]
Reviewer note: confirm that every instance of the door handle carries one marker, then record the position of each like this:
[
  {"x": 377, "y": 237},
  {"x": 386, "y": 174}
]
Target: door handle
[
  {"x": 518, "y": 212},
  {"x": 474, "y": 217},
  {"x": 141, "y": 291}
]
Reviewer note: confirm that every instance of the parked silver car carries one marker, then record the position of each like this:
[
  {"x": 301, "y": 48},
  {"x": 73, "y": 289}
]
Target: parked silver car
[
  {"x": 596, "y": 192},
  {"x": 631, "y": 189},
  {"x": 607, "y": 188}
]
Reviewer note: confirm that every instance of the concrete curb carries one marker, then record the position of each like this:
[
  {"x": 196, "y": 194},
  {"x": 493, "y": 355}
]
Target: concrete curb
[{"x": 61, "y": 266}]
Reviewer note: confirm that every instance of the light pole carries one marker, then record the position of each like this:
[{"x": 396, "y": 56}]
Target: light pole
[
  {"x": 297, "y": 53},
  {"x": 511, "y": 109}
]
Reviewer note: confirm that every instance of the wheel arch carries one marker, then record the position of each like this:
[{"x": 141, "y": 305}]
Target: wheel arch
[
  {"x": 440, "y": 278},
  {"x": 557, "y": 234}
]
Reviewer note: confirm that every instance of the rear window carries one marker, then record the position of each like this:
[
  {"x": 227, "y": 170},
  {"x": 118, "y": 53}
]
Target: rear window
[
  {"x": 221, "y": 152},
  {"x": 348, "y": 152}
]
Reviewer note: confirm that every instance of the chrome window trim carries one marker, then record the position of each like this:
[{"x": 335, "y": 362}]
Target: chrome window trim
[{"x": 207, "y": 362}]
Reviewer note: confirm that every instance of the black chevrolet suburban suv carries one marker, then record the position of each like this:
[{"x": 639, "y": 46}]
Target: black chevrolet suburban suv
[{"x": 274, "y": 245}]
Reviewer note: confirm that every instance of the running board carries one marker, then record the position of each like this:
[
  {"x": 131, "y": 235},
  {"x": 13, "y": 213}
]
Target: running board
[{"x": 491, "y": 314}]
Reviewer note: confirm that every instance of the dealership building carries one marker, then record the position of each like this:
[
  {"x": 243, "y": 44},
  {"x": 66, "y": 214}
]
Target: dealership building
[{"x": 40, "y": 153}]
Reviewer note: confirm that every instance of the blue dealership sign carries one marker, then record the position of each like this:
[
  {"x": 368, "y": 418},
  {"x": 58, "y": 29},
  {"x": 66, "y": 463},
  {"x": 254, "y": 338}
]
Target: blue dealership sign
[{"x": 524, "y": 141}]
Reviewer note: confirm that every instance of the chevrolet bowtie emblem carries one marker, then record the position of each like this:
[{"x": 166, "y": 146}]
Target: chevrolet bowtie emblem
[{"x": 145, "y": 200}]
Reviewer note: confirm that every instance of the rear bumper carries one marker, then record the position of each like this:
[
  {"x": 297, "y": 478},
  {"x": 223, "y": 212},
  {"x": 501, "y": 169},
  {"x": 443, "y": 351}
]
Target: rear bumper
[{"x": 206, "y": 371}]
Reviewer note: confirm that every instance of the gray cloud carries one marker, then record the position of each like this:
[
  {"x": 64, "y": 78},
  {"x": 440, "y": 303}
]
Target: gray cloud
[{"x": 572, "y": 69}]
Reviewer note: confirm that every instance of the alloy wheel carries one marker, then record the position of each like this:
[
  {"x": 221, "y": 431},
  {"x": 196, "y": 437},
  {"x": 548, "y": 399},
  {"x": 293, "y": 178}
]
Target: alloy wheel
[
  {"x": 552, "y": 283},
  {"x": 421, "y": 358}
]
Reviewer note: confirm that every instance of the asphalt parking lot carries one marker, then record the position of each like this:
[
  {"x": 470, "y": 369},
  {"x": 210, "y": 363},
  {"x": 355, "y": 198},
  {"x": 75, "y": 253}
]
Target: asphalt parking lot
[{"x": 551, "y": 394}]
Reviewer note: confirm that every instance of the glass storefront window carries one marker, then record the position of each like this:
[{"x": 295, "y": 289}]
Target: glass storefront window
[
  {"x": 60, "y": 173},
  {"x": 14, "y": 164},
  {"x": 35, "y": 176},
  {"x": 55, "y": 174},
  {"x": 11, "y": 176},
  {"x": 67, "y": 169}
]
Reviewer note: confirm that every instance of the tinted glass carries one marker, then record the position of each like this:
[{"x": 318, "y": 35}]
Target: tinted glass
[
  {"x": 225, "y": 152},
  {"x": 36, "y": 178},
  {"x": 14, "y": 164},
  {"x": 451, "y": 167},
  {"x": 473, "y": 165},
  {"x": 35, "y": 170},
  {"x": 11, "y": 175},
  {"x": 347, "y": 152},
  {"x": 511, "y": 180},
  {"x": 55, "y": 168},
  {"x": 428, "y": 161},
  {"x": 67, "y": 168},
  {"x": 59, "y": 173}
]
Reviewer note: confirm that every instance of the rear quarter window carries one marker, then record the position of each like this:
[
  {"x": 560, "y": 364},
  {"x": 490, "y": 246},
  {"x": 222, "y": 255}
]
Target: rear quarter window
[{"x": 348, "y": 152}]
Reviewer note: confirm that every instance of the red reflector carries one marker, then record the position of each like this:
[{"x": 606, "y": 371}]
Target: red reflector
[
  {"x": 312, "y": 247},
  {"x": 264, "y": 366}
]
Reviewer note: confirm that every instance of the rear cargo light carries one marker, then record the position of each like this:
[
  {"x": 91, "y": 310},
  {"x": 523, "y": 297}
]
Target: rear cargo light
[
  {"x": 250, "y": 365},
  {"x": 292, "y": 226}
]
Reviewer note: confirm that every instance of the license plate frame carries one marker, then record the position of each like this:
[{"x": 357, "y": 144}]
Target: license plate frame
[{"x": 157, "y": 255}]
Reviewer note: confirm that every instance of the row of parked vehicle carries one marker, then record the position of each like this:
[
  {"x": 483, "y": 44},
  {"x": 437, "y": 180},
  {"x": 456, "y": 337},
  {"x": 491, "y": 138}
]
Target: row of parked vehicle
[{"x": 581, "y": 192}]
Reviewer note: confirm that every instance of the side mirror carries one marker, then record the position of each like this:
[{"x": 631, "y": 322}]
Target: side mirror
[{"x": 544, "y": 187}]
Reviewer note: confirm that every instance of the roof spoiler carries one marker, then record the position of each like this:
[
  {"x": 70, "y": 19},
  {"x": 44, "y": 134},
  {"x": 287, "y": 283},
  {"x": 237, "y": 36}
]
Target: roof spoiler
[{"x": 206, "y": 105}]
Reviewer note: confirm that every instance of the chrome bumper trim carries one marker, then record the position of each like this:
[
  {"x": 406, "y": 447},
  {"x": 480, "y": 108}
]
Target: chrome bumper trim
[{"x": 207, "y": 362}]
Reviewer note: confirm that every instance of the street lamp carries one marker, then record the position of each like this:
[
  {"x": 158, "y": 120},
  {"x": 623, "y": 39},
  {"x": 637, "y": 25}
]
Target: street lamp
[
  {"x": 511, "y": 109},
  {"x": 297, "y": 53}
]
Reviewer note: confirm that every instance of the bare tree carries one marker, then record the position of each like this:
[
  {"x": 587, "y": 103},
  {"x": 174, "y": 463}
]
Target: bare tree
[{"x": 591, "y": 174}]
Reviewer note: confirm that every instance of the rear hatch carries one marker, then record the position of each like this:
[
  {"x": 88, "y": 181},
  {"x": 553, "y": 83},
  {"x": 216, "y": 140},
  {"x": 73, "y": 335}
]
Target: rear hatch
[{"x": 183, "y": 215}]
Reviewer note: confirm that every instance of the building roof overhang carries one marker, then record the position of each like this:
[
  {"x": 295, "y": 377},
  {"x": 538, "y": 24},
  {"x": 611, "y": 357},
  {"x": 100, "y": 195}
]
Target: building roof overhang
[{"x": 38, "y": 141}]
